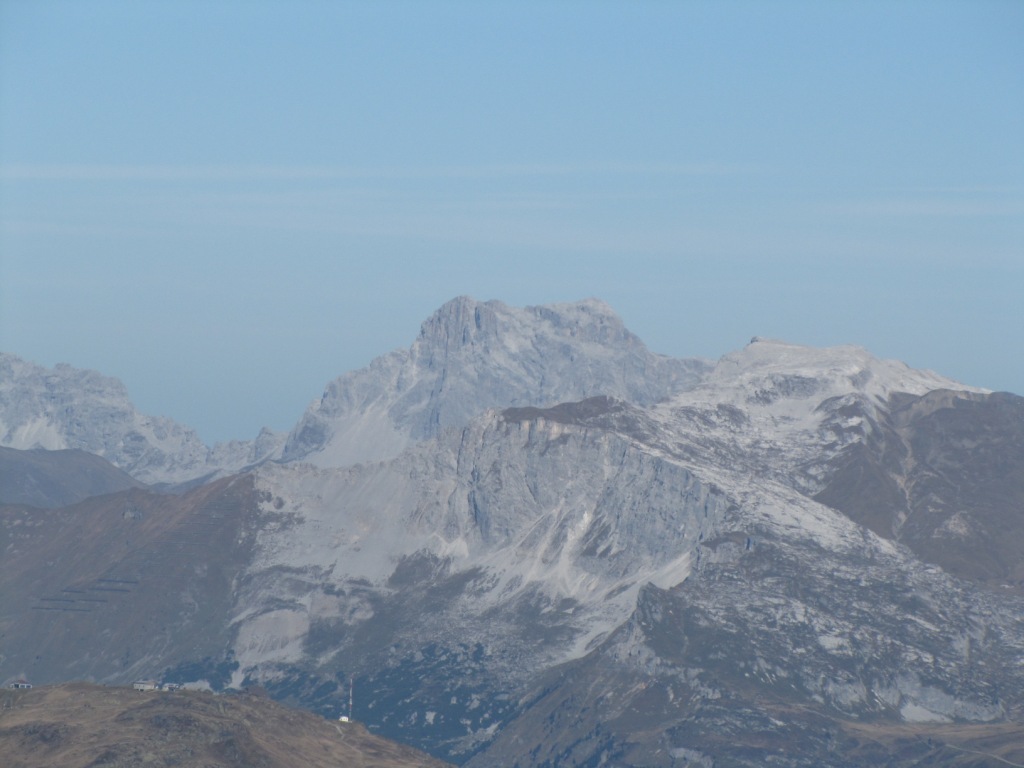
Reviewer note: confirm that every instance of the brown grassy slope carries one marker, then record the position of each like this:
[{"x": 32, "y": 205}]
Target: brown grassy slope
[
  {"x": 120, "y": 587},
  {"x": 950, "y": 745},
  {"x": 80, "y": 725}
]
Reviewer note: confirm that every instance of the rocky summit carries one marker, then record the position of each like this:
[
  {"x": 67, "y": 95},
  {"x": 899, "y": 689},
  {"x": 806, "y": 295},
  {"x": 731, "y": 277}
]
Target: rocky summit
[{"x": 529, "y": 541}]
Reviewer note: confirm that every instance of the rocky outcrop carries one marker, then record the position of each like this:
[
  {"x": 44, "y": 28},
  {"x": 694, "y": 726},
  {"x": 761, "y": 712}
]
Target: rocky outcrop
[
  {"x": 66, "y": 408},
  {"x": 471, "y": 356}
]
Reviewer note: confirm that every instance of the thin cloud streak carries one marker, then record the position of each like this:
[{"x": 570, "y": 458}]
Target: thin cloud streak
[
  {"x": 929, "y": 207},
  {"x": 315, "y": 172}
]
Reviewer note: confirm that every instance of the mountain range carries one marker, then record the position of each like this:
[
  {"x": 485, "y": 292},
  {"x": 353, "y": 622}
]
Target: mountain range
[{"x": 527, "y": 540}]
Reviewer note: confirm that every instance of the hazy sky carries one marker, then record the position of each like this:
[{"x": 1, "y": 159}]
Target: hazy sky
[{"x": 228, "y": 204}]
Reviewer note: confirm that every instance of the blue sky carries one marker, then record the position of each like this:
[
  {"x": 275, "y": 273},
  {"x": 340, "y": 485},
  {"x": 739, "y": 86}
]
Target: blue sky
[{"x": 228, "y": 204}]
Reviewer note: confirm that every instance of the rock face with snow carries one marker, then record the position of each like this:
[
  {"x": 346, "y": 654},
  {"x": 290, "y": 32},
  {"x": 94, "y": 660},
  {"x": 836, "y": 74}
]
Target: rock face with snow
[
  {"x": 568, "y": 551},
  {"x": 67, "y": 408},
  {"x": 471, "y": 356}
]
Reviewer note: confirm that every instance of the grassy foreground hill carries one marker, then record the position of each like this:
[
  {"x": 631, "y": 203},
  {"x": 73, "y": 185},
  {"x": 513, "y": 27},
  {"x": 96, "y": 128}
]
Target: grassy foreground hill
[{"x": 76, "y": 725}]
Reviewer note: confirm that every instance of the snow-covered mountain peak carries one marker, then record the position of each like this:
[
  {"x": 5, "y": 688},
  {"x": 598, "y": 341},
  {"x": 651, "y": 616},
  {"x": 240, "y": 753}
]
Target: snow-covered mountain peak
[
  {"x": 789, "y": 408},
  {"x": 767, "y": 371}
]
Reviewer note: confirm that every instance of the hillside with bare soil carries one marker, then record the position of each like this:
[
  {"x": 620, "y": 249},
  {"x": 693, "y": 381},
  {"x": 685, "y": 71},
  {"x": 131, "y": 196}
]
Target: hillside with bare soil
[{"x": 79, "y": 724}]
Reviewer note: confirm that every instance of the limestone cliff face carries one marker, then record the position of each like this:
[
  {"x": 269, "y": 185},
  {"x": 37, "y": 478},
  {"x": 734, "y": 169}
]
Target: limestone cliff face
[
  {"x": 68, "y": 408},
  {"x": 664, "y": 564},
  {"x": 471, "y": 356}
]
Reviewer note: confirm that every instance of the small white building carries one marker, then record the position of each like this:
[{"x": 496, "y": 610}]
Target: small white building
[
  {"x": 144, "y": 685},
  {"x": 21, "y": 684}
]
